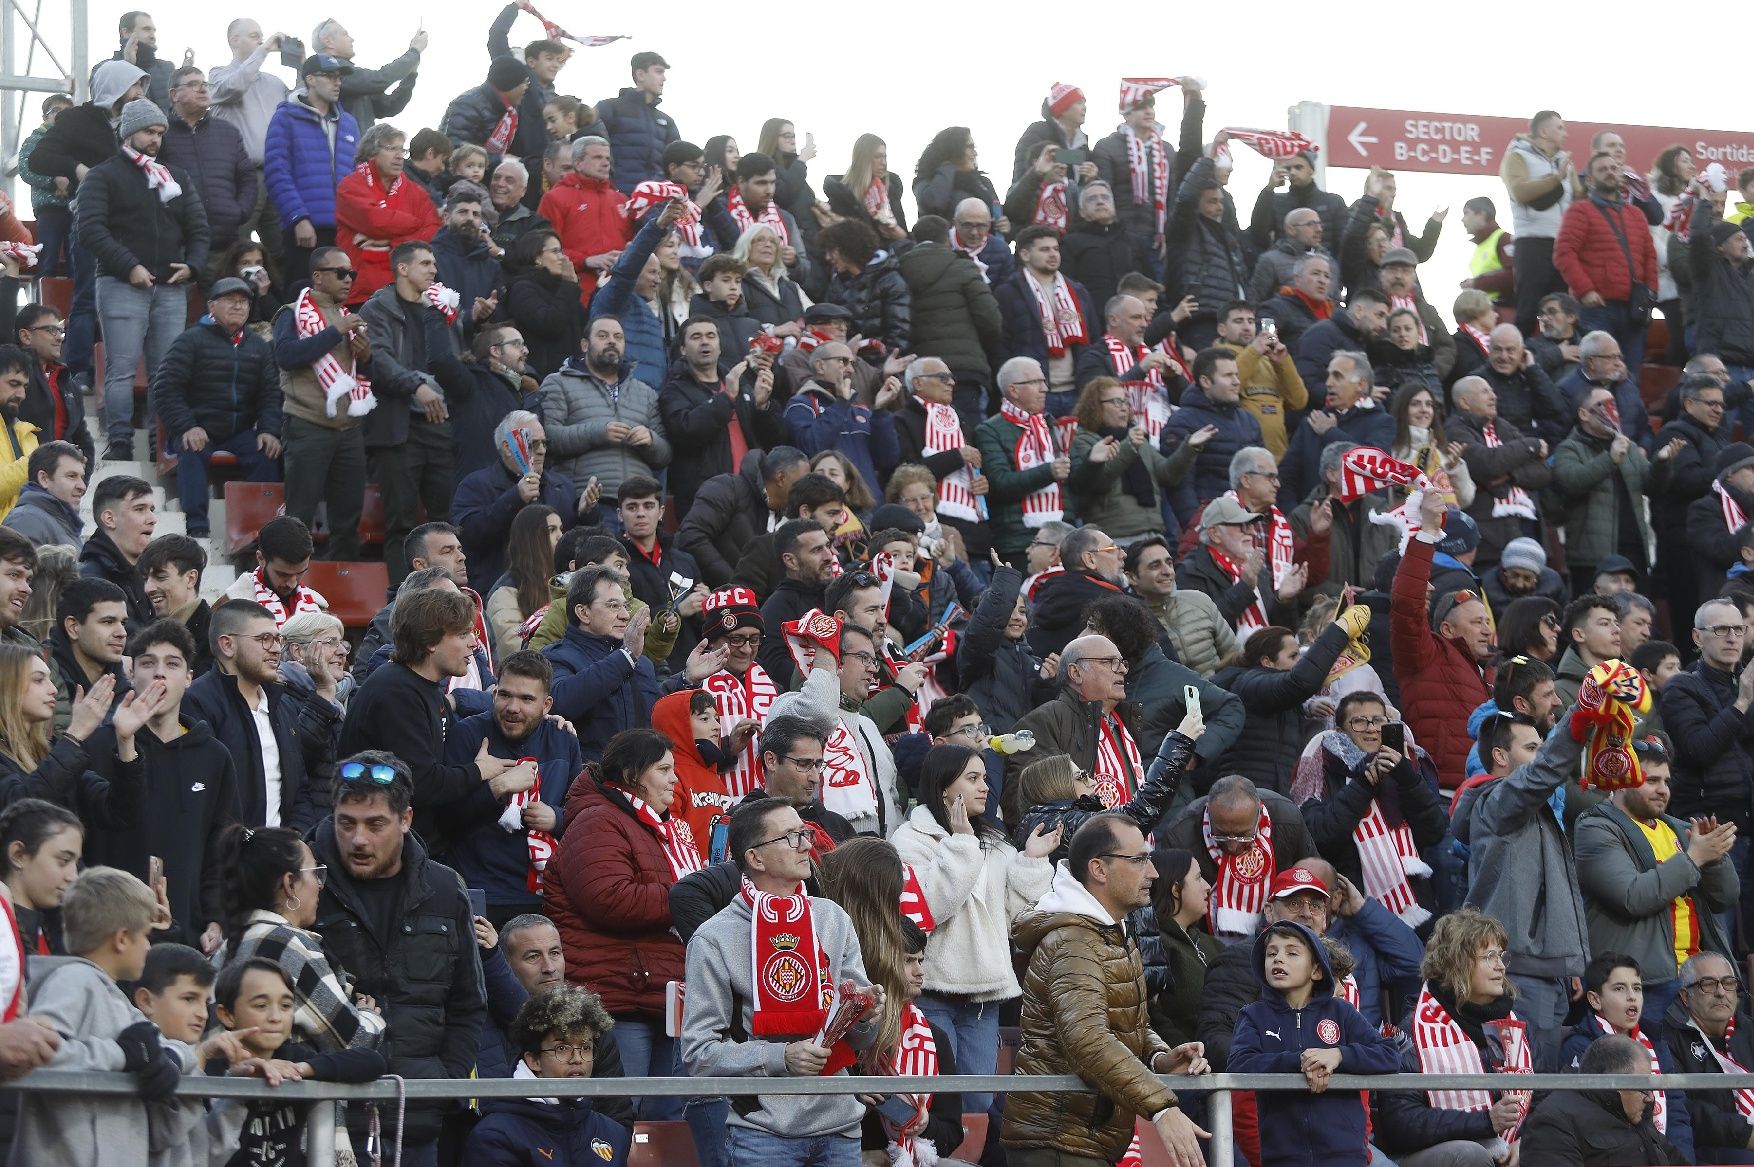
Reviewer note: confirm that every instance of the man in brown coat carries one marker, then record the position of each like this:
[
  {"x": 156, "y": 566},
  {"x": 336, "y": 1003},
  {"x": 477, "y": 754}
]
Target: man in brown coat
[{"x": 1085, "y": 1013}]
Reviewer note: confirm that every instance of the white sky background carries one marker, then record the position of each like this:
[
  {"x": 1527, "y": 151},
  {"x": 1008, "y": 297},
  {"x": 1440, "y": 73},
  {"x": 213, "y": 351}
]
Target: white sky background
[{"x": 951, "y": 65}]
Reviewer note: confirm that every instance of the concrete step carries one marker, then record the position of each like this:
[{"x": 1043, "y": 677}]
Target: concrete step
[{"x": 216, "y": 578}]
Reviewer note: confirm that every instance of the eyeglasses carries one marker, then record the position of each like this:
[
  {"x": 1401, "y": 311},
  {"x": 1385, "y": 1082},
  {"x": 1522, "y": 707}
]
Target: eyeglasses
[
  {"x": 945, "y": 377},
  {"x": 340, "y": 273},
  {"x": 1139, "y": 860},
  {"x": 321, "y": 871},
  {"x": 1363, "y": 723},
  {"x": 1269, "y": 475},
  {"x": 751, "y": 640},
  {"x": 796, "y": 840},
  {"x": 1045, "y": 543},
  {"x": 973, "y": 227},
  {"x": 1709, "y": 403},
  {"x": 51, "y": 329},
  {"x": 265, "y": 639},
  {"x": 1117, "y": 663},
  {"x": 539, "y": 446},
  {"x": 1108, "y": 549},
  {"x": 865, "y": 658},
  {"x": 378, "y": 773},
  {"x": 1492, "y": 956},
  {"x": 1234, "y": 840},
  {"x": 582, "y": 1052},
  {"x": 1712, "y": 986},
  {"x": 614, "y": 604},
  {"x": 810, "y": 765},
  {"x": 1111, "y": 401},
  {"x": 1725, "y": 631},
  {"x": 1033, "y": 381},
  {"x": 971, "y": 732}
]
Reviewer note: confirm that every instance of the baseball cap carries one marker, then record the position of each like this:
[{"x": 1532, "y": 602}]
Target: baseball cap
[
  {"x": 1293, "y": 880},
  {"x": 1225, "y": 511},
  {"x": 324, "y": 63}
]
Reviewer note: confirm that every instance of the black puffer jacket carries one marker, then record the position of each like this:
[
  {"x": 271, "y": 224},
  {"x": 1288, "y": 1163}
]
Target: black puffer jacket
[
  {"x": 844, "y": 203},
  {"x": 953, "y": 313},
  {"x": 547, "y": 311},
  {"x": 729, "y": 511},
  {"x": 939, "y": 192},
  {"x": 1002, "y": 676},
  {"x": 1723, "y": 294},
  {"x": 1097, "y": 255},
  {"x": 213, "y": 153},
  {"x": 123, "y": 223},
  {"x": 1212, "y": 263},
  {"x": 1272, "y": 737},
  {"x": 1147, "y": 807},
  {"x": 879, "y": 300},
  {"x": 697, "y": 419},
  {"x": 226, "y": 389},
  {"x": 777, "y": 304}
]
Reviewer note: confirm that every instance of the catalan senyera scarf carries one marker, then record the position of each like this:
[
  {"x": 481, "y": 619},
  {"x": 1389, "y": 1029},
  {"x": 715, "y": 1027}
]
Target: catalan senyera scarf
[
  {"x": 1035, "y": 447},
  {"x": 1061, "y": 322},
  {"x": 943, "y": 433},
  {"x": 1445, "y": 1048},
  {"x": 1148, "y": 164},
  {"x": 1611, "y": 693},
  {"x": 673, "y": 832},
  {"x": 1239, "y": 891},
  {"x": 1659, "y": 1112},
  {"x": 337, "y": 383},
  {"x": 158, "y": 177},
  {"x": 789, "y": 972}
]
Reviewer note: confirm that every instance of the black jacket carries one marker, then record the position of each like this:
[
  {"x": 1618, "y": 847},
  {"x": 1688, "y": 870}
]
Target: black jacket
[
  {"x": 1213, "y": 265},
  {"x": 773, "y": 306},
  {"x": 1272, "y": 738},
  {"x": 1097, "y": 255},
  {"x": 407, "y": 341},
  {"x": 910, "y": 433},
  {"x": 400, "y": 712},
  {"x": 729, "y": 510},
  {"x": 1317, "y": 346},
  {"x": 1059, "y": 609},
  {"x": 1717, "y": 1125},
  {"x": 850, "y": 206},
  {"x": 212, "y": 151},
  {"x": 215, "y": 700},
  {"x": 1272, "y": 205},
  {"x": 954, "y": 315},
  {"x": 1001, "y": 675},
  {"x": 1405, "y": 1121},
  {"x": 471, "y": 117},
  {"x": 651, "y": 585},
  {"x": 1023, "y": 332},
  {"x": 1530, "y": 400},
  {"x": 474, "y": 415},
  {"x": 1199, "y": 572},
  {"x": 469, "y": 269},
  {"x": 637, "y": 133},
  {"x": 38, "y": 408},
  {"x": 426, "y": 976},
  {"x": 114, "y": 798},
  {"x": 1715, "y": 547},
  {"x": 226, "y": 389},
  {"x": 1347, "y": 797},
  {"x": 1675, "y": 482},
  {"x": 81, "y": 136},
  {"x": 124, "y": 225},
  {"x": 789, "y": 601},
  {"x": 879, "y": 299},
  {"x": 1712, "y": 739},
  {"x": 547, "y": 311},
  {"x": 100, "y": 558},
  {"x": 697, "y": 419},
  {"x": 1722, "y": 312},
  {"x": 1588, "y": 1128}
]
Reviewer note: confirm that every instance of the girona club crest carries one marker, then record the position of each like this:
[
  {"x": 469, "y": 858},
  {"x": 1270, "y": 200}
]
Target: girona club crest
[
  {"x": 786, "y": 976},
  {"x": 1328, "y": 1031},
  {"x": 1251, "y": 864}
]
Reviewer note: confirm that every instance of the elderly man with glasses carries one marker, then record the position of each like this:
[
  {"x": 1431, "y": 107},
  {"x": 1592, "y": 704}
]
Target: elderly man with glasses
[
  {"x": 1706, "y": 1032},
  {"x": 1241, "y": 836},
  {"x": 1023, "y": 462}
]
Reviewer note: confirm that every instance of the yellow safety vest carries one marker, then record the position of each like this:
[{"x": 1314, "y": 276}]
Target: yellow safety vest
[{"x": 1485, "y": 258}]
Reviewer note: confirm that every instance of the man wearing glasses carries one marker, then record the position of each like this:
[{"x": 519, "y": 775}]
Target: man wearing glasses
[
  {"x": 324, "y": 356},
  {"x": 1708, "y": 1033},
  {"x": 1654, "y": 887},
  {"x": 1681, "y": 473},
  {"x": 52, "y": 402},
  {"x": 1022, "y": 460}
]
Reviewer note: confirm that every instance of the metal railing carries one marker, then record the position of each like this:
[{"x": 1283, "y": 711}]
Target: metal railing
[{"x": 1218, "y": 1088}]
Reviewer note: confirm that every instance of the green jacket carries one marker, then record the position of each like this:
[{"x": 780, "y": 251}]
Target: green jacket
[
  {"x": 1099, "y": 492},
  {"x": 659, "y": 643},
  {"x": 996, "y": 438},
  {"x": 1584, "y": 477}
]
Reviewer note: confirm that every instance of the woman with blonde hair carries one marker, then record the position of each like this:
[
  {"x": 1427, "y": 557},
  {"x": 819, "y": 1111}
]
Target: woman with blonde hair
[
  {"x": 57, "y": 566},
  {"x": 869, "y": 190},
  {"x": 769, "y": 294},
  {"x": 1475, "y": 318},
  {"x": 313, "y": 667}
]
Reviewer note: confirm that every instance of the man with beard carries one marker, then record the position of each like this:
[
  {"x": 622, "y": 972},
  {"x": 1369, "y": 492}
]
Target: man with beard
[
  {"x": 602, "y": 421},
  {"x": 1604, "y": 252},
  {"x": 1600, "y": 475},
  {"x": 20, "y": 436},
  {"x": 802, "y": 548},
  {"x": 1276, "y": 203},
  {"x": 1527, "y": 397},
  {"x": 1717, "y": 520}
]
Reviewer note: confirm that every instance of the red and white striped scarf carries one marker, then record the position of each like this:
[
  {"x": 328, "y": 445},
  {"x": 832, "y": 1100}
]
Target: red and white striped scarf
[
  {"x": 1118, "y": 770},
  {"x": 1273, "y": 144},
  {"x": 1659, "y": 1112},
  {"x": 12, "y": 964},
  {"x": 1137, "y": 89},
  {"x": 1516, "y": 501},
  {"x": 1035, "y": 447},
  {"x": 745, "y": 698},
  {"x": 1479, "y": 337},
  {"x": 915, "y": 1057},
  {"x": 1727, "y": 1064},
  {"x": 913, "y": 900},
  {"x": 1050, "y": 206},
  {"x": 877, "y": 201},
  {"x": 649, "y": 194},
  {"x": 1680, "y": 219},
  {"x": 554, "y": 32},
  {"x": 1150, "y": 401},
  {"x": 770, "y": 215},
  {"x": 956, "y": 497},
  {"x": 304, "y": 600},
  {"x": 1254, "y": 617},
  {"x": 1239, "y": 891},
  {"x": 370, "y": 174},
  {"x": 1411, "y": 304},
  {"x": 336, "y": 382},
  {"x": 445, "y": 301},
  {"x": 1365, "y": 468},
  {"x": 849, "y": 788},
  {"x": 1445, "y": 1048},
  {"x": 1387, "y": 856},
  {"x": 158, "y": 177},
  {"x": 672, "y": 831},
  {"x": 789, "y": 973},
  {"x": 1734, "y": 517},
  {"x": 973, "y": 253},
  {"x": 1061, "y": 322},
  {"x": 500, "y": 140},
  {"x": 540, "y": 844},
  {"x": 1148, "y": 164}
]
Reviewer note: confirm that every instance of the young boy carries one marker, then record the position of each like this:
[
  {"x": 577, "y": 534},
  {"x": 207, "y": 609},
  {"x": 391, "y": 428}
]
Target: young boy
[
  {"x": 1614, "y": 991},
  {"x": 557, "y": 1032},
  {"x": 254, "y": 998},
  {"x": 106, "y": 919},
  {"x": 1299, "y": 1025},
  {"x": 721, "y": 299}
]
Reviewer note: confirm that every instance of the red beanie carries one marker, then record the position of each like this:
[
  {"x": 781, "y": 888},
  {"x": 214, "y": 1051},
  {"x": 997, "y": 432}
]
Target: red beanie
[{"x": 1061, "y": 96}]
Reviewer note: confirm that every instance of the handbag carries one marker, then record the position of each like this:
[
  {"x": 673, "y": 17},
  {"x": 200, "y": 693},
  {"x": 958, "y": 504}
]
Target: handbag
[{"x": 1641, "y": 299}]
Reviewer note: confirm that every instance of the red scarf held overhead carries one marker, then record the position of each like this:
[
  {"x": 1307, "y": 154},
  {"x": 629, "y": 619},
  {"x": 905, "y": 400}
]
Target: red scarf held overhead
[
  {"x": 500, "y": 140},
  {"x": 789, "y": 972},
  {"x": 554, "y": 32}
]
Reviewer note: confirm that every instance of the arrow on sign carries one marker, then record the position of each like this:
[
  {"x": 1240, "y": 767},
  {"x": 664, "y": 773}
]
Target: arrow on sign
[{"x": 1358, "y": 138}]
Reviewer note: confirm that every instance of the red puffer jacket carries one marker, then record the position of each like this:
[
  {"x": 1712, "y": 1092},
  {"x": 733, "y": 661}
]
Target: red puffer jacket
[
  {"x": 371, "y": 221},
  {"x": 1440, "y": 683},
  {"x": 608, "y": 893},
  {"x": 1588, "y": 254}
]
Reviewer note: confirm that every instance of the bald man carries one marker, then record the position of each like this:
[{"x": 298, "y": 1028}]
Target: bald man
[
  {"x": 1527, "y": 397},
  {"x": 971, "y": 233},
  {"x": 1122, "y": 354}
]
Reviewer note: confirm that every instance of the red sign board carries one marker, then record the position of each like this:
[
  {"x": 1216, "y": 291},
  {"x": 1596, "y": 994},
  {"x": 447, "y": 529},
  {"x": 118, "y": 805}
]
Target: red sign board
[{"x": 1460, "y": 143}]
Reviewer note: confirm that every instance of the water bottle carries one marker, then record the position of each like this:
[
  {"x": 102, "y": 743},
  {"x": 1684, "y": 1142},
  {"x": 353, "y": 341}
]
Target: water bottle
[{"x": 1018, "y": 741}]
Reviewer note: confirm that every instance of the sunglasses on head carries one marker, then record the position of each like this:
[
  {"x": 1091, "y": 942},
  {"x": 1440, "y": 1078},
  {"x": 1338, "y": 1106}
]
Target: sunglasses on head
[
  {"x": 378, "y": 773},
  {"x": 1651, "y": 749}
]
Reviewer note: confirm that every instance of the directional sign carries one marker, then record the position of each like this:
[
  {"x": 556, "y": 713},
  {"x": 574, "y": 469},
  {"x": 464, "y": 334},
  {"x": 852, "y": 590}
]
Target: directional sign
[{"x": 1458, "y": 143}]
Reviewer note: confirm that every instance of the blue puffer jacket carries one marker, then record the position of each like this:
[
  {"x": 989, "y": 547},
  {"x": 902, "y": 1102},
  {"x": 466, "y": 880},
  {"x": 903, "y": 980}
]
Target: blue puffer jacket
[
  {"x": 598, "y": 690},
  {"x": 483, "y": 853},
  {"x": 300, "y": 168},
  {"x": 1237, "y": 427},
  {"x": 617, "y": 297},
  {"x": 522, "y": 1132},
  {"x": 637, "y": 135}
]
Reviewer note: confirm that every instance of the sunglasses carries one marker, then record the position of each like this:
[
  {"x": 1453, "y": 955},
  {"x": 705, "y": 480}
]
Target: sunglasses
[
  {"x": 378, "y": 773},
  {"x": 1651, "y": 749},
  {"x": 340, "y": 273}
]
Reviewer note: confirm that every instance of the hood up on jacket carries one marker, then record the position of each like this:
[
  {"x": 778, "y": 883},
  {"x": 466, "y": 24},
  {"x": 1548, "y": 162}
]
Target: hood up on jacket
[
  {"x": 1322, "y": 988},
  {"x": 110, "y": 80},
  {"x": 670, "y": 717}
]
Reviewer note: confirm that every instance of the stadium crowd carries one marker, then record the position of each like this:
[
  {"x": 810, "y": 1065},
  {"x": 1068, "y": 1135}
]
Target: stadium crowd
[{"x": 1078, "y": 631}]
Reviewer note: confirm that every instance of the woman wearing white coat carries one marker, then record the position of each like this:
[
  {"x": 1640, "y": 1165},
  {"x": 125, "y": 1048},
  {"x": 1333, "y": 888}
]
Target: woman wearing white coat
[{"x": 975, "y": 884}]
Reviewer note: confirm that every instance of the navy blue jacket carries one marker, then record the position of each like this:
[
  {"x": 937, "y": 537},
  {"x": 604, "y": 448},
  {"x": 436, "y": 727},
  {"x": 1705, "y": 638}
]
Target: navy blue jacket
[
  {"x": 1327, "y": 1128},
  {"x": 1237, "y": 427},
  {"x": 598, "y": 690},
  {"x": 1023, "y": 332},
  {"x": 299, "y": 166},
  {"x": 1300, "y": 470},
  {"x": 637, "y": 135},
  {"x": 484, "y": 854},
  {"x": 616, "y": 297},
  {"x": 817, "y": 421},
  {"x": 484, "y": 506},
  {"x": 467, "y": 268},
  {"x": 213, "y": 153},
  {"x": 1317, "y": 346},
  {"x": 522, "y": 1132},
  {"x": 226, "y": 389}
]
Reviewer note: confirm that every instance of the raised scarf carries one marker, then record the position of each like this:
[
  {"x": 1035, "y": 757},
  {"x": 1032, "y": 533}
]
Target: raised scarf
[
  {"x": 1444, "y": 1047},
  {"x": 650, "y": 194},
  {"x": 673, "y": 832},
  {"x": 335, "y": 381},
  {"x": 158, "y": 176},
  {"x": 1035, "y": 447},
  {"x": 304, "y": 600},
  {"x": 1050, "y": 206},
  {"x": 554, "y": 32},
  {"x": 1148, "y": 165},
  {"x": 1659, "y": 1112},
  {"x": 1118, "y": 768},
  {"x": 745, "y": 698},
  {"x": 1611, "y": 693},
  {"x": 1061, "y": 323},
  {"x": 1516, "y": 502},
  {"x": 789, "y": 972},
  {"x": 849, "y": 787},
  {"x": 1273, "y": 144},
  {"x": 943, "y": 433},
  {"x": 500, "y": 140},
  {"x": 1239, "y": 890}
]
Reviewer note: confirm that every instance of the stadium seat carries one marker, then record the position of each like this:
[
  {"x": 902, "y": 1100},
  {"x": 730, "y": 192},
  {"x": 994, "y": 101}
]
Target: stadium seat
[
  {"x": 1654, "y": 383},
  {"x": 355, "y": 591},
  {"x": 57, "y": 293},
  {"x": 248, "y": 505},
  {"x": 166, "y": 460},
  {"x": 1656, "y": 337},
  {"x": 661, "y": 1144}
]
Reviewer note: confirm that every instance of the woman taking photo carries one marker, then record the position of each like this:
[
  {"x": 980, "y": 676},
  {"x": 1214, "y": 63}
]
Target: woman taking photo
[
  {"x": 1118, "y": 473},
  {"x": 42, "y": 844},
  {"x": 1419, "y": 439},
  {"x": 608, "y": 893},
  {"x": 60, "y": 772},
  {"x": 523, "y": 590},
  {"x": 976, "y": 883},
  {"x": 250, "y": 263},
  {"x": 1178, "y": 903},
  {"x": 869, "y": 190},
  {"x": 779, "y": 141},
  {"x": 769, "y": 294},
  {"x": 542, "y": 299}
]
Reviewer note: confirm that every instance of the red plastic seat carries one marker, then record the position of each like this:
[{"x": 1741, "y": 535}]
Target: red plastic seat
[
  {"x": 662, "y": 1144},
  {"x": 166, "y": 459},
  {"x": 1654, "y": 383},
  {"x": 248, "y": 505},
  {"x": 57, "y": 293},
  {"x": 355, "y": 591}
]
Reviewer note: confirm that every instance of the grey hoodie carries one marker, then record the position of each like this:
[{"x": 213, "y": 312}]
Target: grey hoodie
[{"x": 720, "y": 1016}]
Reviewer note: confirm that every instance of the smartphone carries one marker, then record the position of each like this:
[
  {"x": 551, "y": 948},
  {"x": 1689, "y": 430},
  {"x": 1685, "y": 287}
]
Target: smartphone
[
  {"x": 1269, "y": 326},
  {"x": 719, "y": 849},
  {"x": 1191, "y": 696},
  {"x": 292, "y": 52},
  {"x": 478, "y": 902},
  {"x": 674, "y": 997},
  {"x": 154, "y": 869},
  {"x": 897, "y": 1109},
  {"x": 1066, "y": 157},
  {"x": 1394, "y": 736}
]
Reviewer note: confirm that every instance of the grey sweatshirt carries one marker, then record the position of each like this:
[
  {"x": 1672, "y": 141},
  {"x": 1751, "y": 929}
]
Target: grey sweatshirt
[
  {"x": 719, "y": 982},
  {"x": 88, "y": 1010},
  {"x": 247, "y": 97}
]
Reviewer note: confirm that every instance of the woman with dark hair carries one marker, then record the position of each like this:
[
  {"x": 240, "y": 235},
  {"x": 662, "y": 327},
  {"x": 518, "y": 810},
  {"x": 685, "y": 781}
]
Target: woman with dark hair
[
  {"x": 608, "y": 893},
  {"x": 269, "y": 900},
  {"x": 779, "y": 140},
  {"x": 1118, "y": 474},
  {"x": 250, "y": 262},
  {"x": 1178, "y": 902},
  {"x": 1420, "y": 439},
  {"x": 542, "y": 299},
  {"x": 1156, "y": 686},
  {"x": 41, "y": 844},
  {"x": 869, "y": 191},
  {"x": 523, "y": 589},
  {"x": 867, "y": 282},
  {"x": 976, "y": 884},
  {"x": 721, "y": 151},
  {"x": 1669, "y": 178},
  {"x": 1530, "y": 627},
  {"x": 948, "y": 172}
]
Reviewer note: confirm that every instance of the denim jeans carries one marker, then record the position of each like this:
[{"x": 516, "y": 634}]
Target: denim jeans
[
  {"x": 54, "y": 226},
  {"x": 136, "y": 321},
  {"x": 648, "y": 1052},
  {"x": 708, "y": 1120},
  {"x": 973, "y": 1031},
  {"x": 76, "y": 352},
  {"x": 756, "y": 1148},
  {"x": 1542, "y": 1003},
  {"x": 192, "y": 472}
]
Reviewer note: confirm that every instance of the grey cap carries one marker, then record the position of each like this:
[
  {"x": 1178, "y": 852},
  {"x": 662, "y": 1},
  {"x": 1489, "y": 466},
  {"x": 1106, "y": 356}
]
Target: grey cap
[
  {"x": 230, "y": 286},
  {"x": 1225, "y": 511},
  {"x": 138, "y": 115},
  {"x": 1400, "y": 255}
]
